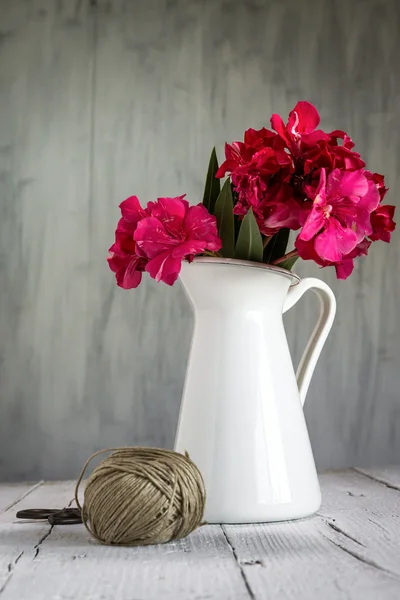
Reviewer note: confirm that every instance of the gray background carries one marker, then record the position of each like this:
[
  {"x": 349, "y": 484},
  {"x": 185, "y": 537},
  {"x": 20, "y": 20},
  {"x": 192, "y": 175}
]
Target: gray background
[{"x": 100, "y": 100}]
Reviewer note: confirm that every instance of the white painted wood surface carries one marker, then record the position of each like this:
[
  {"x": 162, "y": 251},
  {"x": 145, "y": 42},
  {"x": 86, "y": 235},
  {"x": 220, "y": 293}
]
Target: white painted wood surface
[
  {"x": 10, "y": 494},
  {"x": 349, "y": 551}
]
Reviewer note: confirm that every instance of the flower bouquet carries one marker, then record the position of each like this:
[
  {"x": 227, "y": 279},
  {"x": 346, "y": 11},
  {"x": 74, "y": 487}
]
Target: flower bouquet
[{"x": 293, "y": 177}]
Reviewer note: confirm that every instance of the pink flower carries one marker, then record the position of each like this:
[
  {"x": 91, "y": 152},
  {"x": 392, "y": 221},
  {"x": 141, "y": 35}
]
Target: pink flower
[
  {"x": 174, "y": 231},
  {"x": 382, "y": 223},
  {"x": 340, "y": 215}
]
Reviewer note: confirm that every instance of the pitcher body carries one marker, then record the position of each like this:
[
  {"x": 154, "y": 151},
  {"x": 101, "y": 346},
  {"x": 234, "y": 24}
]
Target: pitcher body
[{"x": 241, "y": 418}]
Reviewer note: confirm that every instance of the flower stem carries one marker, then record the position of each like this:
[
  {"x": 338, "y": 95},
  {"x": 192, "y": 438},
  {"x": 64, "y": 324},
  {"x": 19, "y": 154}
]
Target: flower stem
[{"x": 291, "y": 254}]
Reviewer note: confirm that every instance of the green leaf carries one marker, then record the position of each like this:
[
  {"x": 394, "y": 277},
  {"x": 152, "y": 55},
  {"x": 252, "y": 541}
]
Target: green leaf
[
  {"x": 212, "y": 187},
  {"x": 223, "y": 211},
  {"x": 249, "y": 245},
  {"x": 288, "y": 264},
  {"x": 277, "y": 246}
]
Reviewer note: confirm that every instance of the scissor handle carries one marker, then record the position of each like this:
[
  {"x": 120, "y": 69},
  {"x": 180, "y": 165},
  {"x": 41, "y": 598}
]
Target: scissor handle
[{"x": 55, "y": 516}]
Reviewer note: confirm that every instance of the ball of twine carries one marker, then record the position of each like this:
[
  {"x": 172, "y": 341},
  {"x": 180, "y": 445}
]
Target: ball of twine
[{"x": 140, "y": 496}]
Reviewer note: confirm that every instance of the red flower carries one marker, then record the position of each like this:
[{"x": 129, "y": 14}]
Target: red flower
[
  {"x": 382, "y": 223},
  {"x": 252, "y": 163},
  {"x": 301, "y": 127},
  {"x": 242, "y": 158}
]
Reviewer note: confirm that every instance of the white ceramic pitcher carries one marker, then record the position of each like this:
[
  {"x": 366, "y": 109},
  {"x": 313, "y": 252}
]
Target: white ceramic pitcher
[{"x": 241, "y": 418}]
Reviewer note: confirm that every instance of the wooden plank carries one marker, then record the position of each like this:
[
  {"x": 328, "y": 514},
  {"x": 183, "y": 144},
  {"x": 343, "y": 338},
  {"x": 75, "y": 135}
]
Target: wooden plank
[
  {"x": 10, "y": 494},
  {"x": 389, "y": 476},
  {"x": 351, "y": 550},
  {"x": 72, "y": 566},
  {"x": 66, "y": 563},
  {"x": 21, "y": 541}
]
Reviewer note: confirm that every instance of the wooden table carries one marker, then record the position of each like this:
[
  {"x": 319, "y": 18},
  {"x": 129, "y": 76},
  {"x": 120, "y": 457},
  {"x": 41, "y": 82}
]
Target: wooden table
[{"x": 350, "y": 550}]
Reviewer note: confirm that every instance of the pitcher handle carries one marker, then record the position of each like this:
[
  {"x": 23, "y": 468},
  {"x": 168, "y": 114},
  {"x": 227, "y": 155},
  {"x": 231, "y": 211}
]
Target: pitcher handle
[{"x": 318, "y": 337}]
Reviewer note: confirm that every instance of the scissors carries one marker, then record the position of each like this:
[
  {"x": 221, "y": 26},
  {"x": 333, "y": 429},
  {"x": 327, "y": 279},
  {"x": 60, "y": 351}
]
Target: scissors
[{"x": 55, "y": 516}]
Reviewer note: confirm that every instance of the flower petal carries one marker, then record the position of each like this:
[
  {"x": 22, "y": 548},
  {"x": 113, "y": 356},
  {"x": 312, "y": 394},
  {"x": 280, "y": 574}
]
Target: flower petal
[
  {"x": 370, "y": 200},
  {"x": 278, "y": 211},
  {"x": 130, "y": 277},
  {"x": 259, "y": 138},
  {"x": 127, "y": 268},
  {"x": 310, "y": 139},
  {"x": 346, "y": 159},
  {"x": 304, "y": 118},
  {"x": 335, "y": 241},
  {"x": 152, "y": 237},
  {"x": 352, "y": 184},
  {"x": 190, "y": 247},
  {"x": 227, "y": 167},
  {"x": 314, "y": 223},
  {"x": 200, "y": 225},
  {"x": 164, "y": 267},
  {"x": 344, "y": 268},
  {"x": 280, "y": 127},
  {"x": 170, "y": 211},
  {"x": 306, "y": 250},
  {"x": 124, "y": 242},
  {"x": 132, "y": 211}
]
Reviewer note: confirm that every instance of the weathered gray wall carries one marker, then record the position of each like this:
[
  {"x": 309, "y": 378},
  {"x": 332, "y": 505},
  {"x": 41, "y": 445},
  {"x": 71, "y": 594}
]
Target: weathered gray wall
[{"x": 103, "y": 99}]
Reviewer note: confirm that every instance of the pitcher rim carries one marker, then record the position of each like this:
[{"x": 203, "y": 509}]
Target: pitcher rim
[{"x": 248, "y": 263}]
